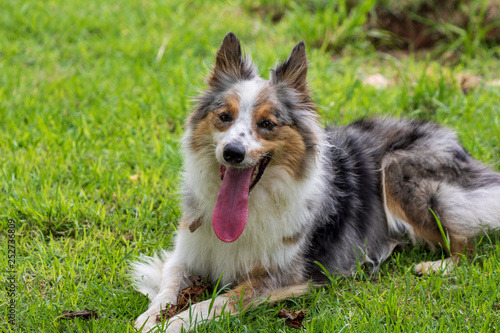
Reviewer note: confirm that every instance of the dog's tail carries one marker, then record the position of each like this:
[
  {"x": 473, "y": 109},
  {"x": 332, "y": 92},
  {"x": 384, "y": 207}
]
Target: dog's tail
[
  {"x": 473, "y": 211},
  {"x": 146, "y": 273}
]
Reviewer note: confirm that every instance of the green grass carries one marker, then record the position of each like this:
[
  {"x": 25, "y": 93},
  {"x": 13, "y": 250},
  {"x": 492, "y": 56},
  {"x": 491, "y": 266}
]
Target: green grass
[{"x": 92, "y": 93}]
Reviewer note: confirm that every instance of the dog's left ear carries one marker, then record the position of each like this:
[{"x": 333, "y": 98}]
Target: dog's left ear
[
  {"x": 229, "y": 56},
  {"x": 293, "y": 70}
]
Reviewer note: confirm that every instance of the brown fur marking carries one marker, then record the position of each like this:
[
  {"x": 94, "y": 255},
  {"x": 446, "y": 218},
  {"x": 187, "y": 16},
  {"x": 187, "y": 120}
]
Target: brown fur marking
[
  {"x": 287, "y": 148},
  {"x": 231, "y": 109},
  {"x": 283, "y": 142},
  {"x": 201, "y": 134},
  {"x": 195, "y": 225},
  {"x": 264, "y": 111},
  {"x": 293, "y": 239},
  {"x": 201, "y": 137}
]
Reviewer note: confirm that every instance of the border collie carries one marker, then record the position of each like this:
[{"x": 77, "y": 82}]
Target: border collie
[{"x": 268, "y": 193}]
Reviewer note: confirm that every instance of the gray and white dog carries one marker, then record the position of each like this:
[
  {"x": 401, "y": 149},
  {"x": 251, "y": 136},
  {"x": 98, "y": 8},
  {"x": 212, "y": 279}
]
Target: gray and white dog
[{"x": 267, "y": 193}]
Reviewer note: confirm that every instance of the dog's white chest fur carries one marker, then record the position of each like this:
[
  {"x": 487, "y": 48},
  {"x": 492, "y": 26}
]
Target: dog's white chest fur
[{"x": 204, "y": 254}]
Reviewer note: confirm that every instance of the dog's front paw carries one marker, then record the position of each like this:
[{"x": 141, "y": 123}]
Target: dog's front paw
[{"x": 146, "y": 322}]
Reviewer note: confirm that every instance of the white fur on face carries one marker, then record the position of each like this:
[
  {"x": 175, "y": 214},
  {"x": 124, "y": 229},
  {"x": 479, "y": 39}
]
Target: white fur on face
[{"x": 241, "y": 130}]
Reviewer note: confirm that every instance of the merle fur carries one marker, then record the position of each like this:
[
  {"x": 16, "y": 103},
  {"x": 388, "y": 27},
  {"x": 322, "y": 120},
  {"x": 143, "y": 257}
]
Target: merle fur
[{"x": 355, "y": 230}]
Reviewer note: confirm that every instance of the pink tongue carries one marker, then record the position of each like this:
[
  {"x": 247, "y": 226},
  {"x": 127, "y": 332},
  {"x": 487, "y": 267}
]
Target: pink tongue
[{"x": 231, "y": 209}]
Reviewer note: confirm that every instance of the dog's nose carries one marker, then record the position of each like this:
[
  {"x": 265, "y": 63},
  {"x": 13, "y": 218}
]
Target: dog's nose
[{"x": 234, "y": 153}]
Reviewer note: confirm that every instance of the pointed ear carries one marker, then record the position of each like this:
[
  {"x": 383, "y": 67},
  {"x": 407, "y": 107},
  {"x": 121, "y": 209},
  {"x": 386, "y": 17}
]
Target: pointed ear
[
  {"x": 230, "y": 64},
  {"x": 229, "y": 55},
  {"x": 293, "y": 70}
]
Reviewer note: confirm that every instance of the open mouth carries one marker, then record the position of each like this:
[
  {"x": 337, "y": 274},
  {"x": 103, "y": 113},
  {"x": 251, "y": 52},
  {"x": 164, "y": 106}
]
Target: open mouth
[
  {"x": 231, "y": 208},
  {"x": 257, "y": 173}
]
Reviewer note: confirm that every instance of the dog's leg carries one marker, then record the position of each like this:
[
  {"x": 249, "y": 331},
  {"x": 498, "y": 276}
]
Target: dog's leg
[
  {"x": 173, "y": 280},
  {"x": 258, "y": 288},
  {"x": 444, "y": 266},
  {"x": 416, "y": 201}
]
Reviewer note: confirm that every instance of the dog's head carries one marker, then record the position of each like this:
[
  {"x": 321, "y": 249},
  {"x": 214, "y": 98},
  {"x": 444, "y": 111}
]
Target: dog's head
[{"x": 253, "y": 124}]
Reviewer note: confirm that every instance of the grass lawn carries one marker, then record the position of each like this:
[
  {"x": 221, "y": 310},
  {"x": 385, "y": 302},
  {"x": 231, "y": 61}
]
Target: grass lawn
[{"x": 93, "y": 96}]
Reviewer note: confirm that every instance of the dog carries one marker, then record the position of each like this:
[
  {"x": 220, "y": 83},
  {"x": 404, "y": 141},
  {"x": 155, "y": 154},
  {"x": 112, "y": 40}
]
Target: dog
[{"x": 268, "y": 193}]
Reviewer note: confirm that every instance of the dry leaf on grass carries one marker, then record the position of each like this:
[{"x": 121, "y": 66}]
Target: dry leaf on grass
[
  {"x": 134, "y": 178},
  {"x": 83, "y": 314},
  {"x": 189, "y": 295},
  {"x": 293, "y": 318},
  {"x": 468, "y": 82}
]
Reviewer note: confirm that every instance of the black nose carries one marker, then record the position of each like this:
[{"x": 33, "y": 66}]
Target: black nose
[{"x": 234, "y": 153}]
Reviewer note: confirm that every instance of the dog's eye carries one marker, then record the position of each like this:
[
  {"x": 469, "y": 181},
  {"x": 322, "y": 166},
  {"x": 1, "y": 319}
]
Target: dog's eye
[
  {"x": 225, "y": 118},
  {"x": 267, "y": 124}
]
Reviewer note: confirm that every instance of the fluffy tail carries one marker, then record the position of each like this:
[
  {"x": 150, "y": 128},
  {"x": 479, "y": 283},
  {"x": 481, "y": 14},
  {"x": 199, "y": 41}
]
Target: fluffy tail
[
  {"x": 472, "y": 211},
  {"x": 146, "y": 273}
]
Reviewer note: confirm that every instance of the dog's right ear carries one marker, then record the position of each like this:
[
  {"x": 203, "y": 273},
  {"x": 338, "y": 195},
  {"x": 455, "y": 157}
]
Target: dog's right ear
[
  {"x": 229, "y": 56},
  {"x": 230, "y": 64}
]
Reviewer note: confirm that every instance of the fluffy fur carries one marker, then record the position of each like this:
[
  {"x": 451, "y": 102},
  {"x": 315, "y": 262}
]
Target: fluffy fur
[{"x": 339, "y": 196}]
